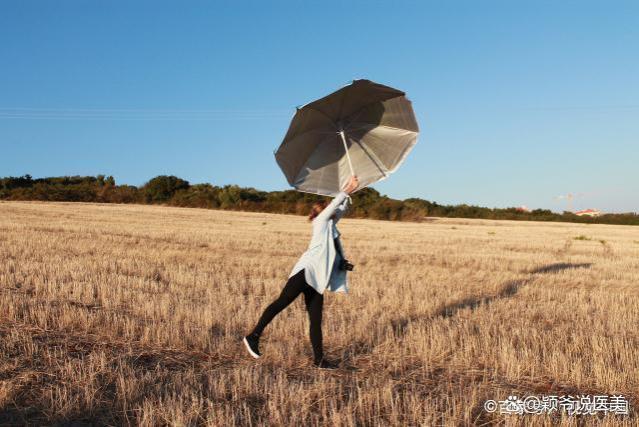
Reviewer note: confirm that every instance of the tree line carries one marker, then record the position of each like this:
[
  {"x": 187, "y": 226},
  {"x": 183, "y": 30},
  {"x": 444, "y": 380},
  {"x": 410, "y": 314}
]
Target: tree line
[{"x": 173, "y": 191}]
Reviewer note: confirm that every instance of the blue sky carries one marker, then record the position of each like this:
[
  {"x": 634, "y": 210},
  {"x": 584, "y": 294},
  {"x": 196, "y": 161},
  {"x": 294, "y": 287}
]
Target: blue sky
[{"x": 518, "y": 102}]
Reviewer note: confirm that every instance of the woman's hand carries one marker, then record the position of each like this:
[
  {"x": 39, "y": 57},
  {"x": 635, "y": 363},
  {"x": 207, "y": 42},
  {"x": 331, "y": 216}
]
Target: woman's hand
[{"x": 352, "y": 185}]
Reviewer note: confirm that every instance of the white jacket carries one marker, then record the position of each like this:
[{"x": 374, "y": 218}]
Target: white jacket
[{"x": 321, "y": 259}]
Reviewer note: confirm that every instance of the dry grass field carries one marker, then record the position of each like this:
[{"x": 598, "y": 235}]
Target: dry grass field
[{"x": 120, "y": 314}]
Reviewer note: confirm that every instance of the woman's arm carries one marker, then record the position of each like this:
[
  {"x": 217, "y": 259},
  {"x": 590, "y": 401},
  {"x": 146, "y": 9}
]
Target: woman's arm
[
  {"x": 332, "y": 207},
  {"x": 335, "y": 207},
  {"x": 341, "y": 209}
]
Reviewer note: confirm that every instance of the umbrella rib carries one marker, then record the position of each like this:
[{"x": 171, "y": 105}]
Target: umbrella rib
[
  {"x": 402, "y": 155},
  {"x": 364, "y": 125},
  {"x": 299, "y": 172},
  {"x": 373, "y": 158},
  {"x": 359, "y": 113},
  {"x": 396, "y": 128}
]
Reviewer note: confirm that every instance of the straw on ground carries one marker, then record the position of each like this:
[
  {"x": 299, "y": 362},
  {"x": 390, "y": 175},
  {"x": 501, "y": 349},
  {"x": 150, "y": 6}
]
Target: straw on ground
[{"x": 134, "y": 314}]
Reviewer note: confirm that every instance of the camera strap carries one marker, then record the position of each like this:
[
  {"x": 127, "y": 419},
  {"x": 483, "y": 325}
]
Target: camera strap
[{"x": 338, "y": 248}]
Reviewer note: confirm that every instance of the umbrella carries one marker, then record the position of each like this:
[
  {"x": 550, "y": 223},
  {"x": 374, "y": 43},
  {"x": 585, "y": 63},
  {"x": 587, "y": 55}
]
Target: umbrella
[{"x": 364, "y": 129}]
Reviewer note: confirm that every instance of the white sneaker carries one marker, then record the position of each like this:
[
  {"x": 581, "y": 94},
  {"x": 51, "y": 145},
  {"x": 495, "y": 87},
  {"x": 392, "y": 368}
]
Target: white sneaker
[{"x": 252, "y": 345}]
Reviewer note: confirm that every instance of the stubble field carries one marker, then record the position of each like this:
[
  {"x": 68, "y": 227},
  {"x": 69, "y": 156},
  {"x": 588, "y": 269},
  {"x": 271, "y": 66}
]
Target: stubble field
[{"x": 113, "y": 314}]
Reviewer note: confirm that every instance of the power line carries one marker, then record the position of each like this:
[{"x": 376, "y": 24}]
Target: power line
[{"x": 137, "y": 114}]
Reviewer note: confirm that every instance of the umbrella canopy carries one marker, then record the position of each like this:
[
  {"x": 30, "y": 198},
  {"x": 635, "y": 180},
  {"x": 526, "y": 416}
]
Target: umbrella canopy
[{"x": 364, "y": 129}]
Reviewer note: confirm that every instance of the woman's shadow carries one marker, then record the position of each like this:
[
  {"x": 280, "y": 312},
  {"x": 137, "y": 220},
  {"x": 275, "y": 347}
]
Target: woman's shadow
[{"x": 400, "y": 325}]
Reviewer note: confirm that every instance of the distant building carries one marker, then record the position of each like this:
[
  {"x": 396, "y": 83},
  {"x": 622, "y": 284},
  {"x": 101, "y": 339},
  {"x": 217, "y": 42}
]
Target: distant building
[
  {"x": 588, "y": 212},
  {"x": 523, "y": 209}
]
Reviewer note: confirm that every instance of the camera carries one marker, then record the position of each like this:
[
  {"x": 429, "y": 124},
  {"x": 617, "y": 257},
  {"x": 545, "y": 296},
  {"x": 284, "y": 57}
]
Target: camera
[{"x": 346, "y": 265}]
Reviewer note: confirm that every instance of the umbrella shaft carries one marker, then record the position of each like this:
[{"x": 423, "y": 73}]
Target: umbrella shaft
[{"x": 348, "y": 156}]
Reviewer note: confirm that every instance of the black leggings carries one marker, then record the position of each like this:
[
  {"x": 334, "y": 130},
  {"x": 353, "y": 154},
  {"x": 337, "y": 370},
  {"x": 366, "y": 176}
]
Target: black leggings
[{"x": 314, "y": 302}]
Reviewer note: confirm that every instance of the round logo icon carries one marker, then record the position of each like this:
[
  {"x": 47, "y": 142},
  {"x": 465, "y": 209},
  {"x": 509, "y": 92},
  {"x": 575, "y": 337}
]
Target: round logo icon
[{"x": 490, "y": 406}]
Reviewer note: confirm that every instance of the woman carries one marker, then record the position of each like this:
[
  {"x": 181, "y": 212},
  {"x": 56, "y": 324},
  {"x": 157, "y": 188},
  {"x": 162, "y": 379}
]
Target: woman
[{"x": 321, "y": 267}]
